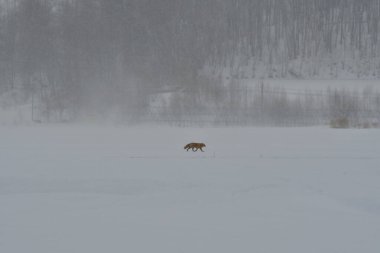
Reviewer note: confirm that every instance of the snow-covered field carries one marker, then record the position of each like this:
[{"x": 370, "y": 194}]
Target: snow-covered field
[{"x": 69, "y": 189}]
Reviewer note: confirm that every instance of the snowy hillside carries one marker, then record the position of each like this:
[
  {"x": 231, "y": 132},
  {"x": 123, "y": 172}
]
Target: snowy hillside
[
  {"x": 93, "y": 189},
  {"x": 97, "y": 60},
  {"x": 236, "y": 102}
]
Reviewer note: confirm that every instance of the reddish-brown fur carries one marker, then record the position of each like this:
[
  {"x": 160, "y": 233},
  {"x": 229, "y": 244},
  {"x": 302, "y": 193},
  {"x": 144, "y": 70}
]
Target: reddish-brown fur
[{"x": 195, "y": 146}]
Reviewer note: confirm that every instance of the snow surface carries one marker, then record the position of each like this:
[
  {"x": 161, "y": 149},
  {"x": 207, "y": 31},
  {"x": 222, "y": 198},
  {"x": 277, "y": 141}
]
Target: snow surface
[{"x": 114, "y": 189}]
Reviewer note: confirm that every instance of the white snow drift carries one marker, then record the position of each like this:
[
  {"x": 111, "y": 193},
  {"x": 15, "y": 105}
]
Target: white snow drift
[{"x": 87, "y": 189}]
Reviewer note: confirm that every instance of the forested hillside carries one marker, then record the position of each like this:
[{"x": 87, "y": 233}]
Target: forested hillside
[{"x": 72, "y": 57}]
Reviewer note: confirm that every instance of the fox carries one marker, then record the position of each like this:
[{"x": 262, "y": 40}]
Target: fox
[{"x": 195, "y": 146}]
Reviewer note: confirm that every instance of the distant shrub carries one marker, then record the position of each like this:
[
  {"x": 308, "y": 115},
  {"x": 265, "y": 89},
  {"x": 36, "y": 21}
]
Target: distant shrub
[
  {"x": 339, "y": 123},
  {"x": 369, "y": 124},
  {"x": 366, "y": 125}
]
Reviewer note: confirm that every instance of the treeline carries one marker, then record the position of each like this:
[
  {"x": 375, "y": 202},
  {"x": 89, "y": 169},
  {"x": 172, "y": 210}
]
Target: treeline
[
  {"x": 87, "y": 58},
  {"x": 261, "y": 104}
]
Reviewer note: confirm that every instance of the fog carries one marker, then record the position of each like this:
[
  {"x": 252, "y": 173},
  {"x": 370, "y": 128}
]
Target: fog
[
  {"x": 186, "y": 62},
  {"x": 99, "y": 98}
]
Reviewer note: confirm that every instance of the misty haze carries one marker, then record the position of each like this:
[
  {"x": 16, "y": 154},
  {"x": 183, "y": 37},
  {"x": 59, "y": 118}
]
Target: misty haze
[{"x": 189, "y": 126}]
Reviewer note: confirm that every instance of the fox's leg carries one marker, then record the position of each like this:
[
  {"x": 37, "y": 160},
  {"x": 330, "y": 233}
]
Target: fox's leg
[
  {"x": 201, "y": 149},
  {"x": 194, "y": 149}
]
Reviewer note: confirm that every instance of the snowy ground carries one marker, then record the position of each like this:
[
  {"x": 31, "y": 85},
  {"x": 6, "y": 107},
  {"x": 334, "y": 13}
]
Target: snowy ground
[{"x": 109, "y": 189}]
